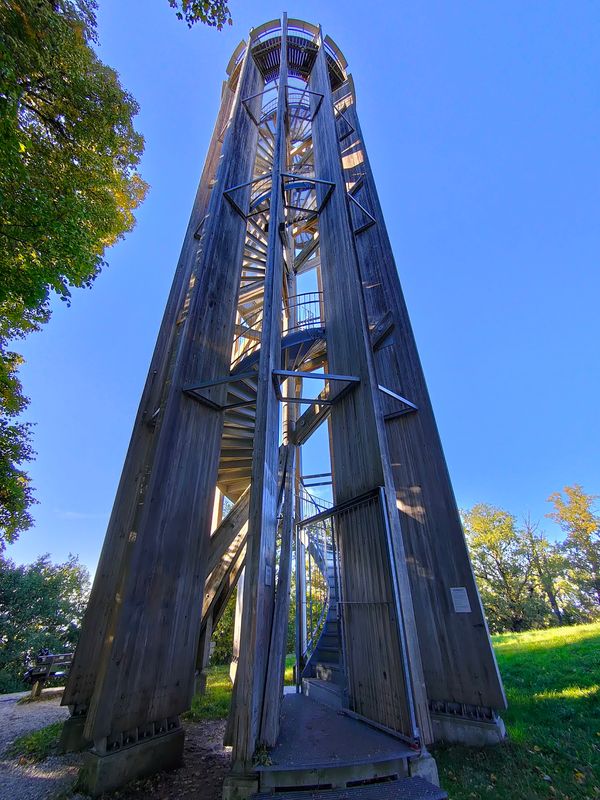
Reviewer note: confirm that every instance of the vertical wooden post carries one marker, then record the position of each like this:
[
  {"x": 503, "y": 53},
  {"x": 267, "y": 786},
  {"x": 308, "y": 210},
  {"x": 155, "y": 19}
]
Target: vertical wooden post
[
  {"x": 458, "y": 659},
  {"x": 300, "y": 556},
  {"x": 360, "y": 462},
  {"x": 278, "y": 644},
  {"x": 203, "y": 656},
  {"x": 146, "y": 671},
  {"x": 118, "y": 543},
  {"x": 237, "y": 627},
  {"x": 246, "y": 710}
]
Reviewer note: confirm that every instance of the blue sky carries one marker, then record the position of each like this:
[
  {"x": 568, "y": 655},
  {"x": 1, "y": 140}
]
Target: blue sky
[{"x": 482, "y": 122}]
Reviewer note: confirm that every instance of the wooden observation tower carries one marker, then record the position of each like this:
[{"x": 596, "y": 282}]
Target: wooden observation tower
[{"x": 285, "y": 444}]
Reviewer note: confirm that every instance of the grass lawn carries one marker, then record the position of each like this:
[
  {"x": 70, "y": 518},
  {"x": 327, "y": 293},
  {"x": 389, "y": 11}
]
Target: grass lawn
[
  {"x": 36, "y": 745},
  {"x": 215, "y": 703},
  {"x": 552, "y": 682}
]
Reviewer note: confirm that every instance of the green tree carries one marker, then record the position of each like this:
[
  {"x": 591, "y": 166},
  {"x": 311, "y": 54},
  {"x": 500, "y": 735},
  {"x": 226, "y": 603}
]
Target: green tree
[
  {"x": 574, "y": 512},
  {"x": 211, "y": 12},
  {"x": 552, "y": 573},
  {"x": 548, "y": 565},
  {"x": 223, "y": 633},
  {"x": 41, "y": 605},
  {"x": 15, "y": 489},
  {"x": 504, "y": 570},
  {"x": 69, "y": 185}
]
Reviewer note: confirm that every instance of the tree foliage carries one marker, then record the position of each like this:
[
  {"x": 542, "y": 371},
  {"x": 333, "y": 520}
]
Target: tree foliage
[
  {"x": 503, "y": 568},
  {"x": 69, "y": 185},
  {"x": 574, "y": 512},
  {"x": 41, "y": 605},
  {"x": 69, "y": 155},
  {"x": 16, "y": 495},
  {"x": 525, "y": 580},
  {"x": 211, "y": 12}
]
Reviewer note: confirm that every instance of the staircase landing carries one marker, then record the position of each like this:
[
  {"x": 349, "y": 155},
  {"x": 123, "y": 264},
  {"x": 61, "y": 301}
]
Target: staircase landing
[{"x": 321, "y": 748}]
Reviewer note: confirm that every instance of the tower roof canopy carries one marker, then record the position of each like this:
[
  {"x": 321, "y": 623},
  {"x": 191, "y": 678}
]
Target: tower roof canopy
[{"x": 302, "y": 47}]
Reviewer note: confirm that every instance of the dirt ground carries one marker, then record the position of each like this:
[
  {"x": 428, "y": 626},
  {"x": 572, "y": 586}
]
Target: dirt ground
[
  {"x": 206, "y": 762},
  {"x": 201, "y": 777}
]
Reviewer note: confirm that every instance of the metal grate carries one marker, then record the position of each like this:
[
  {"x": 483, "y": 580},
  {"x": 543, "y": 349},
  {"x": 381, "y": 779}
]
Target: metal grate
[{"x": 301, "y": 58}]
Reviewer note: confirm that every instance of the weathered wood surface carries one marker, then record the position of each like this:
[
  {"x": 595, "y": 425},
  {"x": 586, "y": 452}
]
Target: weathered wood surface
[
  {"x": 309, "y": 421},
  {"x": 227, "y": 532},
  {"x": 458, "y": 660},
  {"x": 278, "y": 645},
  {"x": 157, "y": 618},
  {"x": 116, "y": 551},
  {"x": 237, "y": 627},
  {"x": 233, "y": 533},
  {"x": 259, "y": 580},
  {"x": 360, "y": 462}
]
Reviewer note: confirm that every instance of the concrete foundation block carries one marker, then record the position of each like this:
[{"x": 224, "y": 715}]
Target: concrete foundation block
[
  {"x": 72, "y": 739},
  {"x": 473, "y": 733},
  {"x": 239, "y": 787},
  {"x": 103, "y": 773},
  {"x": 424, "y": 766}
]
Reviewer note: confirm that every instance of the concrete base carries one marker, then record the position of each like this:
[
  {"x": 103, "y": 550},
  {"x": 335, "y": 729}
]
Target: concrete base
[
  {"x": 338, "y": 777},
  {"x": 424, "y": 766},
  {"x": 71, "y": 737},
  {"x": 473, "y": 733},
  {"x": 104, "y": 773},
  {"x": 239, "y": 787}
]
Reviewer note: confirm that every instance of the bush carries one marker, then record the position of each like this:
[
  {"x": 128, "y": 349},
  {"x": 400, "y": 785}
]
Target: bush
[{"x": 41, "y": 605}]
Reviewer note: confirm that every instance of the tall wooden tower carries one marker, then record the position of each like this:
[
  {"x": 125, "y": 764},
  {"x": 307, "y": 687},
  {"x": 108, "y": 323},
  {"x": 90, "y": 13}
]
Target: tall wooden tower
[{"x": 285, "y": 326}]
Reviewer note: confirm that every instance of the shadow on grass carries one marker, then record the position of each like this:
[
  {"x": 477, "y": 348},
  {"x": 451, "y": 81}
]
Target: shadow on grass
[{"x": 552, "y": 681}]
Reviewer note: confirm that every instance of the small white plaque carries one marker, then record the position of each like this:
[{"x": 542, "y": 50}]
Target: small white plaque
[
  {"x": 269, "y": 576},
  {"x": 460, "y": 600}
]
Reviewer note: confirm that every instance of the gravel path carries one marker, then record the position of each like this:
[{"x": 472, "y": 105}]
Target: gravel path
[
  {"x": 31, "y": 781},
  {"x": 16, "y": 720},
  {"x": 206, "y": 761}
]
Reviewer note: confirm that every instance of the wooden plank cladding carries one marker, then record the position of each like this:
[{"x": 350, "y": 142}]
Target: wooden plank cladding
[
  {"x": 360, "y": 461},
  {"x": 458, "y": 660},
  {"x": 132, "y": 486},
  {"x": 259, "y": 578},
  {"x": 156, "y": 618},
  {"x": 368, "y": 614}
]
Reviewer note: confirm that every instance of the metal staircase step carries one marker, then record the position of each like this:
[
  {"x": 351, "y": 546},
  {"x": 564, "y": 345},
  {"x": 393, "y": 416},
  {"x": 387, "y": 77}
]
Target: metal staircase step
[
  {"x": 235, "y": 453},
  {"x": 329, "y": 640},
  {"x": 400, "y": 789},
  {"x": 328, "y": 654},
  {"x": 239, "y": 391}
]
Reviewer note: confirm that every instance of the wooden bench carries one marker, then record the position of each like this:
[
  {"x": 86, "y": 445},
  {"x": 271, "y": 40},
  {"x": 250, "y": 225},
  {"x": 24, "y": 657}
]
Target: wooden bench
[{"x": 47, "y": 665}]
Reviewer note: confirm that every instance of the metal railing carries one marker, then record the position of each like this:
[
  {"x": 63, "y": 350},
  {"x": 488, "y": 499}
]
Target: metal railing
[
  {"x": 309, "y": 505},
  {"x": 301, "y": 311},
  {"x": 304, "y": 311},
  {"x": 319, "y": 555}
]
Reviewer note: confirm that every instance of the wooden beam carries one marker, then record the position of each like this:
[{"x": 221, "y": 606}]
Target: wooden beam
[
  {"x": 146, "y": 669},
  {"x": 278, "y": 644},
  {"x": 247, "y": 701},
  {"x": 383, "y": 660},
  {"x": 118, "y": 544},
  {"x": 458, "y": 660},
  {"x": 227, "y": 531}
]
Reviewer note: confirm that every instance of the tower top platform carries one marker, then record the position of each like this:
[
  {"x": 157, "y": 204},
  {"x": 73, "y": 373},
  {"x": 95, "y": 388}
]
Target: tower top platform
[{"x": 302, "y": 47}]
